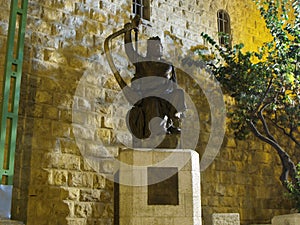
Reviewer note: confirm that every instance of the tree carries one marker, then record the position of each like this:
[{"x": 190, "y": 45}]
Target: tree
[{"x": 265, "y": 84}]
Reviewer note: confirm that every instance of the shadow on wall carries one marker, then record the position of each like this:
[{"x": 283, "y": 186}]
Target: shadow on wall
[{"x": 53, "y": 184}]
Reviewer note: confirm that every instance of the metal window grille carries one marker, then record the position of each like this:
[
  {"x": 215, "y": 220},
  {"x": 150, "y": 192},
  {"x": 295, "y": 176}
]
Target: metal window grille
[
  {"x": 141, "y": 8},
  {"x": 138, "y": 7},
  {"x": 224, "y": 27}
]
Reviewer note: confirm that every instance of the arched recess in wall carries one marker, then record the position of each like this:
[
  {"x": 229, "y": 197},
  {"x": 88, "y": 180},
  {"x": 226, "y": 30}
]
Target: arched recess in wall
[{"x": 224, "y": 27}]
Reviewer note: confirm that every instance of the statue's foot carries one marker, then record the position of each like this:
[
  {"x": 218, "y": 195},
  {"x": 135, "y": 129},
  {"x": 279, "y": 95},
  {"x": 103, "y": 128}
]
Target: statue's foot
[{"x": 173, "y": 130}]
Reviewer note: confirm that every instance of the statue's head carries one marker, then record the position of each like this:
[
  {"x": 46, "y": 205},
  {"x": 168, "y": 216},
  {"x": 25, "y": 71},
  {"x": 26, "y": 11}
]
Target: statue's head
[{"x": 154, "y": 47}]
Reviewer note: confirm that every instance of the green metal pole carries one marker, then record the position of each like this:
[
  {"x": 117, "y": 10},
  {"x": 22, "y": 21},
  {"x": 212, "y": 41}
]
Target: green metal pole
[{"x": 11, "y": 89}]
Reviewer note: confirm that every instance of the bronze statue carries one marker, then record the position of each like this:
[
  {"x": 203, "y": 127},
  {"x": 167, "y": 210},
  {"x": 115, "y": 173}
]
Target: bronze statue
[{"x": 154, "y": 85}]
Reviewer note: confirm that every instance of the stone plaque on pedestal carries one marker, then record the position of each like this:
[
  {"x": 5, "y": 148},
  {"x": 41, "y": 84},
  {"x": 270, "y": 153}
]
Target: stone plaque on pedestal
[
  {"x": 164, "y": 192},
  {"x": 160, "y": 186}
]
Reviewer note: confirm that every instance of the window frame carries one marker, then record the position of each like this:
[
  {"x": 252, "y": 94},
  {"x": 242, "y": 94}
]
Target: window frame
[
  {"x": 224, "y": 27},
  {"x": 141, "y": 8}
]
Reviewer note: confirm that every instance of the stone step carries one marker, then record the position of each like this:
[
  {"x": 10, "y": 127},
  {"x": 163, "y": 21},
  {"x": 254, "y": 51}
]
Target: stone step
[{"x": 10, "y": 222}]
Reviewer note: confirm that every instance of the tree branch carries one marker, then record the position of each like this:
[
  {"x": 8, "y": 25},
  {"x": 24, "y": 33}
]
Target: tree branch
[
  {"x": 265, "y": 125},
  {"x": 264, "y": 95},
  {"x": 289, "y": 134},
  {"x": 288, "y": 167}
]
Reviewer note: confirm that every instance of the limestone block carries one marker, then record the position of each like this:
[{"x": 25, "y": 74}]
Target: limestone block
[
  {"x": 226, "y": 219},
  {"x": 62, "y": 161},
  {"x": 73, "y": 194},
  {"x": 83, "y": 210},
  {"x": 76, "y": 221},
  {"x": 98, "y": 181},
  {"x": 59, "y": 177},
  {"x": 289, "y": 219},
  {"x": 89, "y": 195},
  {"x": 77, "y": 179}
]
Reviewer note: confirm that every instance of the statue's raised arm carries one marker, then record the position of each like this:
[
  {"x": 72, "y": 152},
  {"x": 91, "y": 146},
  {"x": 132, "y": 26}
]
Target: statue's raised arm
[
  {"x": 130, "y": 95},
  {"x": 132, "y": 53}
]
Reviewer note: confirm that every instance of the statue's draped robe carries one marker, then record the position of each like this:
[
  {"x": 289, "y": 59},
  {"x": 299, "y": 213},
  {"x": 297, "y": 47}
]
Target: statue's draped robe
[
  {"x": 159, "y": 98},
  {"x": 164, "y": 102}
]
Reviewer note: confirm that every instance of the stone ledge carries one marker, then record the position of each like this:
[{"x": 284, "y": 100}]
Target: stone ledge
[
  {"x": 10, "y": 222},
  {"x": 289, "y": 219}
]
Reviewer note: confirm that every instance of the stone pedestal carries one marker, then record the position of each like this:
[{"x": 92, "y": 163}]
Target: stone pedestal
[
  {"x": 289, "y": 219},
  {"x": 159, "y": 187}
]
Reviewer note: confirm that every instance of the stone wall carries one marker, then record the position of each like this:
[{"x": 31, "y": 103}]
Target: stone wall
[{"x": 66, "y": 112}]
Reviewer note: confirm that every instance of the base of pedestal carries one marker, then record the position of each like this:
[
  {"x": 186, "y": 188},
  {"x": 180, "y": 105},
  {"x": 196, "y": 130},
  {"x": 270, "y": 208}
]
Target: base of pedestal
[{"x": 159, "y": 186}]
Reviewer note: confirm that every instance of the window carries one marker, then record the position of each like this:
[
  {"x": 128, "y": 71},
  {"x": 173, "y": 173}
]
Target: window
[
  {"x": 141, "y": 8},
  {"x": 224, "y": 28}
]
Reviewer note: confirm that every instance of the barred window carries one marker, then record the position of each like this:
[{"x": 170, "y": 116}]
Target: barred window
[
  {"x": 224, "y": 28},
  {"x": 141, "y": 8}
]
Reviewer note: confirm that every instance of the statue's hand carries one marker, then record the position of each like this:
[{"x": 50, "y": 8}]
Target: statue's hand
[
  {"x": 136, "y": 21},
  {"x": 128, "y": 26}
]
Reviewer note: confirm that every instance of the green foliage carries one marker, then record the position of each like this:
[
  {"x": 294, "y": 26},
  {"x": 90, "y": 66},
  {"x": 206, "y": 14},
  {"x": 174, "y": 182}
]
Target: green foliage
[
  {"x": 294, "y": 192},
  {"x": 265, "y": 79},
  {"x": 265, "y": 84}
]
